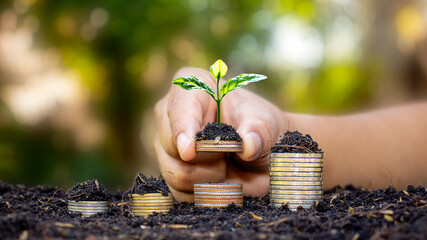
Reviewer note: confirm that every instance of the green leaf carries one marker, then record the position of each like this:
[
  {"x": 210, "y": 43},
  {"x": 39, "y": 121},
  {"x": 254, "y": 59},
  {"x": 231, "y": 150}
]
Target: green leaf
[
  {"x": 191, "y": 82},
  {"x": 219, "y": 69},
  {"x": 239, "y": 81}
]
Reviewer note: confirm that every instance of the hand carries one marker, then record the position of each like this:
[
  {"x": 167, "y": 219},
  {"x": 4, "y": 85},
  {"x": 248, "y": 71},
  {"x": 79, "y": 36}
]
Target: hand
[{"x": 180, "y": 114}]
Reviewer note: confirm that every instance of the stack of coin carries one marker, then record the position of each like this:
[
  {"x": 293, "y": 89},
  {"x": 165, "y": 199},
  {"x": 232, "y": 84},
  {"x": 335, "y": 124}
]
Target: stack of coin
[
  {"x": 218, "y": 195},
  {"x": 88, "y": 208},
  {"x": 296, "y": 179},
  {"x": 147, "y": 204},
  {"x": 219, "y": 146}
]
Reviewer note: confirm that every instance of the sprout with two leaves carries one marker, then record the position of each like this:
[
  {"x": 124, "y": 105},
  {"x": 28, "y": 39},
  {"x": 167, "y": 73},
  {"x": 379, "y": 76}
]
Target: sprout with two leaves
[{"x": 218, "y": 70}]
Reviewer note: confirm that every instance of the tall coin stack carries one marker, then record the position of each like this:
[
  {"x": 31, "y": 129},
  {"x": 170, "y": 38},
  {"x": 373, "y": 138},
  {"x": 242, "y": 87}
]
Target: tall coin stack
[
  {"x": 218, "y": 195},
  {"x": 147, "y": 204},
  {"x": 296, "y": 179},
  {"x": 87, "y": 208}
]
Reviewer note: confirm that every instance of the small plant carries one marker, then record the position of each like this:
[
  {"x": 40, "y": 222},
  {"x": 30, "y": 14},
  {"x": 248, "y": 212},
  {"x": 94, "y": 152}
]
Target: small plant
[{"x": 218, "y": 70}]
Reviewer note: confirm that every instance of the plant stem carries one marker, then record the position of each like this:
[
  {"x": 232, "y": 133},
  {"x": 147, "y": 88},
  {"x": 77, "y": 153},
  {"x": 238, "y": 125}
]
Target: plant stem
[{"x": 218, "y": 103}]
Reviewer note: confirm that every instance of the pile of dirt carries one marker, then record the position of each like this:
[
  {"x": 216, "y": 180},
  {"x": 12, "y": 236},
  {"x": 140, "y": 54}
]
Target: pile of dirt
[
  {"x": 212, "y": 131},
  {"x": 343, "y": 213},
  {"x": 143, "y": 185},
  {"x": 90, "y": 190},
  {"x": 296, "y": 142}
]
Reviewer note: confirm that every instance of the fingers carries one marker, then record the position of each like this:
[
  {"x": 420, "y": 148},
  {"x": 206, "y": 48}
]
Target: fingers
[
  {"x": 256, "y": 135},
  {"x": 181, "y": 176},
  {"x": 165, "y": 131},
  {"x": 256, "y": 120},
  {"x": 188, "y": 111}
]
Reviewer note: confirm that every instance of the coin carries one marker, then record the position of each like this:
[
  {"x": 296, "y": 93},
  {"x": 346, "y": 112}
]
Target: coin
[
  {"x": 217, "y": 194},
  {"x": 219, "y": 146},
  {"x": 296, "y": 169},
  {"x": 88, "y": 208},
  {"x": 299, "y": 188},
  {"x": 297, "y": 155},
  {"x": 293, "y": 201},
  {"x": 296, "y": 164},
  {"x": 278, "y": 191},
  {"x": 297, "y": 196},
  {"x": 283, "y": 178},
  {"x": 296, "y": 183},
  {"x": 296, "y": 174},
  {"x": 146, "y": 204},
  {"x": 293, "y": 206},
  {"x": 296, "y": 160}
]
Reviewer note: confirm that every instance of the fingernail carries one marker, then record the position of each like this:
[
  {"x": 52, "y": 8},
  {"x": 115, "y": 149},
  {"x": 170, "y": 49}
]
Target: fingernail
[
  {"x": 254, "y": 145},
  {"x": 182, "y": 142}
]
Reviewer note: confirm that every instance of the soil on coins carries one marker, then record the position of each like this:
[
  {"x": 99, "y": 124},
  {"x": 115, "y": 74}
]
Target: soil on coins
[
  {"x": 212, "y": 131},
  {"x": 143, "y": 185},
  {"x": 296, "y": 142},
  {"x": 343, "y": 213},
  {"x": 90, "y": 190}
]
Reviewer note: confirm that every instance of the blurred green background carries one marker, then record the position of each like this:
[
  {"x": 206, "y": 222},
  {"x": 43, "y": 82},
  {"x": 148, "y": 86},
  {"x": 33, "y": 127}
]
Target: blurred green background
[{"x": 79, "y": 79}]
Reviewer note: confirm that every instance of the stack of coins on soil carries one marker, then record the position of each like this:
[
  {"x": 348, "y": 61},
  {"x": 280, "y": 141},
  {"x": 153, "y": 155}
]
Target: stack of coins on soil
[
  {"x": 147, "y": 204},
  {"x": 218, "y": 195},
  {"x": 88, "y": 208},
  {"x": 219, "y": 146},
  {"x": 296, "y": 179}
]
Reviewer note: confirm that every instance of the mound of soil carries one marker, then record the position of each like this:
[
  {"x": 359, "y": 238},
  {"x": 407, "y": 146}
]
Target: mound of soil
[
  {"x": 143, "y": 185},
  {"x": 349, "y": 213},
  {"x": 211, "y": 131},
  {"x": 296, "y": 142},
  {"x": 90, "y": 190}
]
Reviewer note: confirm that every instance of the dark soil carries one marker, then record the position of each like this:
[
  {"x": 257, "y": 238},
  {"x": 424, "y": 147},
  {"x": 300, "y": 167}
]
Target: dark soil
[
  {"x": 90, "y": 190},
  {"x": 349, "y": 213},
  {"x": 143, "y": 184},
  {"x": 296, "y": 142},
  {"x": 211, "y": 131}
]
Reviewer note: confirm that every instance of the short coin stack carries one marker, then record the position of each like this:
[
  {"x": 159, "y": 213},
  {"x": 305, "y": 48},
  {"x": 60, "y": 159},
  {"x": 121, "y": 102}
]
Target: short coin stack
[
  {"x": 296, "y": 179},
  {"x": 147, "y": 204},
  {"x": 88, "y": 208},
  {"x": 218, "y": 195},
  {"x": 219, "y": 146}
]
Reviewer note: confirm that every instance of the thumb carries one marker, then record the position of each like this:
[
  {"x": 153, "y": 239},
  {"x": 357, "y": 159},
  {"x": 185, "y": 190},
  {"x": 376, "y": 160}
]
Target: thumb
[{"x": 257, "y": 138}]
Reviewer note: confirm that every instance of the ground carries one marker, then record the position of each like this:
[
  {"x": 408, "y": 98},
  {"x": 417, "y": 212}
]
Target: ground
[{"x": 41, "y": 212}]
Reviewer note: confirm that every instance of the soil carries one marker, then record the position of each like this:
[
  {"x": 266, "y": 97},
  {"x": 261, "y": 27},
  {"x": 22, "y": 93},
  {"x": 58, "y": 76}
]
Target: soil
[
  {"x": 90, "y": 190},
  {"x": 143, "y": 185},
  {"x": 344, "y": 213},
  {"x": 296, "y": 142},
  {"x": 212, "y": 131}
]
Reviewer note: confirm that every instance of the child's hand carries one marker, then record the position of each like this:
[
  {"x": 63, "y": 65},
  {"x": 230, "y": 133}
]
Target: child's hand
[{"x": 181, "y": 114}]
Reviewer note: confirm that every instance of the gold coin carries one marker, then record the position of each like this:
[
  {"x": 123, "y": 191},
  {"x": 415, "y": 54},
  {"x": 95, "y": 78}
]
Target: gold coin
[
  {"x": 298, "y": 188},
  {"x": 296, "y": 169},
  {"x": 288, "y": 192},
  {"x": 280, "y": 178},
  {"x": 294, "y": 164},
  {"x": 151, "y": 211},
  {"x": 151, "y": 196},
  {"x": 150, "y": 205},
  {"x": 297, "y": 155},
  {"x": 219, "y": 146},
  {"x": 296, "y": 174}
]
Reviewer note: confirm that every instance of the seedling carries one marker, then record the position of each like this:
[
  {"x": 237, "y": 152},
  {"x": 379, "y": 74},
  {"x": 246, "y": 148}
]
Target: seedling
[{"x": 218, "y": 70}]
